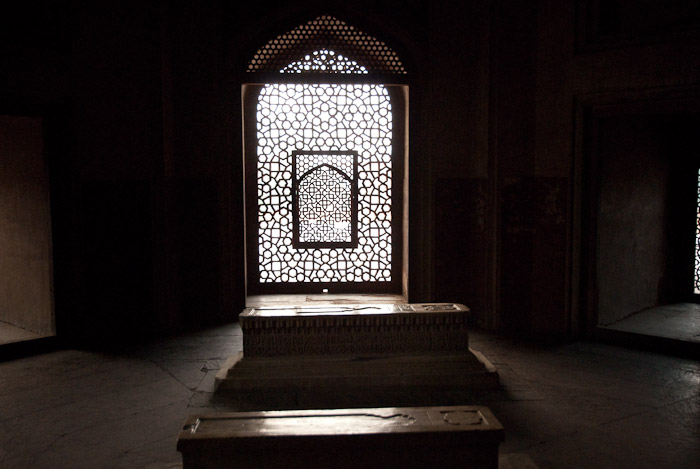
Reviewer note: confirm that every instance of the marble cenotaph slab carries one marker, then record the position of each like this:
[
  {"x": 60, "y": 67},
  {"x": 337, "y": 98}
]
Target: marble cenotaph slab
[{"x": 406, "y": 437}]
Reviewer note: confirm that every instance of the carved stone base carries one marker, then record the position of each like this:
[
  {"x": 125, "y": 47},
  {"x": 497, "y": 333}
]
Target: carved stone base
[
  {"x": 373, "y": 355},
  {"x": 358, "y": 329}
]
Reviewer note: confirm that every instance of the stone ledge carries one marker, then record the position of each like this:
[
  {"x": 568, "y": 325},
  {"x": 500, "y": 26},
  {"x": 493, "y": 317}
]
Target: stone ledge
[{"x": 342, "y": 380}]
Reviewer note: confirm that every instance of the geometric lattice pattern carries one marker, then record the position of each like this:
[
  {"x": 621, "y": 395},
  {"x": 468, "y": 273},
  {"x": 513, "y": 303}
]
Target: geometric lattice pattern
[
  {"x": 324, "y": 191},
  {"x": 319, "y": 36},
  {"x": 326, "y": 61},
  {"x": 697, "y": 242},
  {"x": 312, "y": 119},
  {"x": 325, "y": 207}
]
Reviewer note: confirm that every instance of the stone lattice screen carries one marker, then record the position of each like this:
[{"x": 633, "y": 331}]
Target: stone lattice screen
[
  {"x": 697, "y": 243},
  {"x": 324, "y": 118},
  {"x": 324, "y": 157},
  {"x": 350, "y": 47}
]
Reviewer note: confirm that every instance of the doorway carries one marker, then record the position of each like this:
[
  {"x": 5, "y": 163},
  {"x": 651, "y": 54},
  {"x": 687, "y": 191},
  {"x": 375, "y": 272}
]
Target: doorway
[
  {"x": 645, "y": 185},
  {"x": 26, "y": 280}
]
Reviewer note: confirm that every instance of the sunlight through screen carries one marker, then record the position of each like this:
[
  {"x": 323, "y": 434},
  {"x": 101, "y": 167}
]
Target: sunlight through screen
[
  {"x": 325, "y": 61},
  {"x": 324, "y": 189},
  {"x": 697, "y": 242},
  {"x": 307, "y": 119}
]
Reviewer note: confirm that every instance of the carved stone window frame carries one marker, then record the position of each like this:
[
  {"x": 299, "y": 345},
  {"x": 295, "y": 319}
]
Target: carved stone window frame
[
  {"x": 696, "y": 275},
  {"x": 352, "y": 182},
  {"x": 383, "y": 68}
]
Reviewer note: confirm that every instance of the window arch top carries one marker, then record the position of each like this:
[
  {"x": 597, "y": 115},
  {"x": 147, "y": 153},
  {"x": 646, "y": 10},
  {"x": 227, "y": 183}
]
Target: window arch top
[
  {"x": 326, "y": 45},
  {"x": 324, "y": 61}
]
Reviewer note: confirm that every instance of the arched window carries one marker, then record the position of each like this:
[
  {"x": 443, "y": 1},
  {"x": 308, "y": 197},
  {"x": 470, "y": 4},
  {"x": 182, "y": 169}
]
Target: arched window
[
  {"x": 325, "y": 125},
  {"x": 325, "y": 199}
]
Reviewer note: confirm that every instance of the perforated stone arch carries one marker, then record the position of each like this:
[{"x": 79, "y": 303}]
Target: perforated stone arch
[{"x": 325, "y": 33}]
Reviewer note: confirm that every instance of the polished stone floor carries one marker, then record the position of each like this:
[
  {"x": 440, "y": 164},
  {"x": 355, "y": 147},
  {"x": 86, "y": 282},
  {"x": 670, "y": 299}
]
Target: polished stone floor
[
  {"x": 675, "y": 321},
  {"x": 575, "y": 405}
]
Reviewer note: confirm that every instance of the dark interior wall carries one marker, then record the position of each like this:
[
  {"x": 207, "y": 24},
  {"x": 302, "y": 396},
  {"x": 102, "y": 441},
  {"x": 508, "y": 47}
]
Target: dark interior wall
[
  {"x": 455, "y": 134},
  {"x": 143, "y": 105},
  {"x": 203, "y": 171},
  {"x": 26, "y": 287},
  {"x": 631, "y": 61},
  {"x": 116, "y": 158},
  {"x": 646, "y": 211},
  {"x": 547, "y": 59},
  {"x": 629, "y": 21},
  {"x": 92, "y": 72},
  {"x": 35, "y": 43},
  {"x": 513, "y": 126},
  {"x": 633, "y": 213},
  {"x": 531, "y": 135}
]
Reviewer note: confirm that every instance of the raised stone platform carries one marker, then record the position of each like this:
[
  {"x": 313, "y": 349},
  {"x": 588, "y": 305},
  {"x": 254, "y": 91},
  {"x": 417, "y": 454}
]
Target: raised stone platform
[
  {"x": 362, "y": 329},
  {"x": 362, "y": 355},
  {"x": 410, "y": 437}
]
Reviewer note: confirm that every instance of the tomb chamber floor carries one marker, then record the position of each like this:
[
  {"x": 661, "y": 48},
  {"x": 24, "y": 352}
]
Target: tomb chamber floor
[
  {"x": 679, "y": 321},
  {"x": 575, "y": 405}
]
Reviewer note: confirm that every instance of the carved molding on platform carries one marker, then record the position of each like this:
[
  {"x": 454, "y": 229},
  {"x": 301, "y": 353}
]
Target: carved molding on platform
[{"x": 402, "y": 329}]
